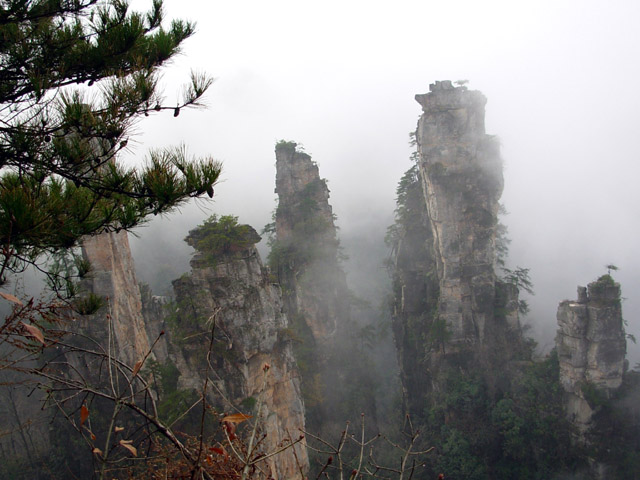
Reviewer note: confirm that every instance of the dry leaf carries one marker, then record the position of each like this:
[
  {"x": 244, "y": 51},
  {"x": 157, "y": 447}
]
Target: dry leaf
[
  {"x": 93, "y": 437},
  {"x": 97, "y": 450},
  {"x": 137, "y": 367},
  {"x": 230, "y": 428},
  {"x": 11, "y": 298},
  {"x": 119, "y": 429},
  {"x": 34, "y": 332},
  {"x": 236, "y": 418},
  {"x": 220, "y": 451},
  {"x": 84, "y": 414},
  {"x": 127, "y": 444}
]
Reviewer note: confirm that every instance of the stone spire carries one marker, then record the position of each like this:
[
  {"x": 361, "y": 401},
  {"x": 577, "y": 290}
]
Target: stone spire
[
  {"x": 306, "y": 236},
  {"x": 461, "y": 172},
  {"x": 450, "y": 309},
  {"x": 232, "y": 287},
  {"x": 591, "y": 346}
]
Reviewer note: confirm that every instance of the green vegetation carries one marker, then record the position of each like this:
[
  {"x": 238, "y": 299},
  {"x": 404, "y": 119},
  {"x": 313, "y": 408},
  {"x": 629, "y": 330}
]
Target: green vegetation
[
  {"x": 221, "y": 235},
  {"x": 59, "y": 181},
  {"x": 287, "y": 145},
  {"x": 519, "y": 277},
  {"x": 615, "y": 434},
  {"x": 520, "y": 432}
]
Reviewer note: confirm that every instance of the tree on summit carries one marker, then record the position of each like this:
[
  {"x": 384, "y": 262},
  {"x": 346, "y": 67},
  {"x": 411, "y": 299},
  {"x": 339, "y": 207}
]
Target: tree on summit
[{"x": 75, "y": 77}]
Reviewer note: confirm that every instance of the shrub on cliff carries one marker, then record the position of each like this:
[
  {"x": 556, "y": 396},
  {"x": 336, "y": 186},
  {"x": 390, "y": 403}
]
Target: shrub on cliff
[{"x": 221, "y": 235}]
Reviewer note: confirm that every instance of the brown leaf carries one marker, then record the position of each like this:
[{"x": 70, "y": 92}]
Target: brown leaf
[
  {"x": 84, "y": 414},
  {"x": 218, "y": 450},
  {"x": 34, "y": 332},
  {"x": 11, "y": 298},
  {"x": 97, "y": 451},
  {"x": 118, "y": 429},
  {"x": 127, "y": 444},
  {"x": 236, "y": 418},
  {"x": 93, "y": 437},
  {"x": 230, "y": 428},
  {"x": 221, "y": 451},
  {"x": 137, "y": 367}
]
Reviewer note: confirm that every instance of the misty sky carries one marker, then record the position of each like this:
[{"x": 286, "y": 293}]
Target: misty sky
[{"x": 339, "y": 77}]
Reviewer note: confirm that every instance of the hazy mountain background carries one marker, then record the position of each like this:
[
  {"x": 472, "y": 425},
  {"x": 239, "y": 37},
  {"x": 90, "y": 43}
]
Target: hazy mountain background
[{"x": 339, "y": 78}]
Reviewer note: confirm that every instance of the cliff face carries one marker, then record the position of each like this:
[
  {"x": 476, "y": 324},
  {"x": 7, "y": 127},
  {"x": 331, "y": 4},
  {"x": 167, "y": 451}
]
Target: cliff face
[
  {"x": 337, "y": 377},
  {"x": 591, "y": 346},
  {"x": 306, "y": 257},
  {"x": 461, "y": 172},
  {"x": 113, "y": 277},
  {"x": 231, "y": 288},
  {"x": 450, "y": 309}
]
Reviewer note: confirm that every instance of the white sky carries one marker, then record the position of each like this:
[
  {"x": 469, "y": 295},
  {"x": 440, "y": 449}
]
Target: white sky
[{"x": 340, "y": 77}]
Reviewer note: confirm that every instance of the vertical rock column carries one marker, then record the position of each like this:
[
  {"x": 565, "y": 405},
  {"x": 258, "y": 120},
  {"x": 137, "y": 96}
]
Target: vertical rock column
[
  {"x": 315, "y": 284},
  {"x": 591, "y": 346},
  {"x": 231, "y": 287},
  {"x": 113, "y": 278},
  {"x": 461, "y": 171}
]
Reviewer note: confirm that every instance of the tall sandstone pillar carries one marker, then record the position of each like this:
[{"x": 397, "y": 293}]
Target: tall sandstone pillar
[
  {"x": 316, "y": 286},
  {"x": 451, "y": 311},
  {"x": 591, "y": 346},
  {"x": 461, "y": 171}
]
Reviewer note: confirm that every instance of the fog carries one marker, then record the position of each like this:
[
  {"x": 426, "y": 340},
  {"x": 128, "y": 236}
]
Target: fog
[{"x": 339, "y": 78}]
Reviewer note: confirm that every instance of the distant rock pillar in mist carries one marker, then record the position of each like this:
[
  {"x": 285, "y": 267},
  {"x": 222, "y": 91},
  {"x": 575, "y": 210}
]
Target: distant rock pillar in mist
[
  {"x": 113, "y": 277},
  {"x": 308, "y": 266},
  {"x": 591, "y": 345},
  {"x": 461, "y": 172}
]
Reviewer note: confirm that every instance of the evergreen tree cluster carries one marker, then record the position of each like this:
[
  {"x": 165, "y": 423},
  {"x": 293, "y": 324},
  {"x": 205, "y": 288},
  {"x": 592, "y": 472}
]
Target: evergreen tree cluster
[{"x": 75, "y": 77}]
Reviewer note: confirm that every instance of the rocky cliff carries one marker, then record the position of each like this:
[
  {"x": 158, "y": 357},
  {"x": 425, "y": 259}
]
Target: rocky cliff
[
  {"x": 112, "y": 277},
  {"x": 450, "y": 307},
  {"x": 229, "y": 295},
  {"x": 337, "y": 376},
  {"x": 461, "y": 171},
  {"x": 591, "y": 346},
  {"x": 306, "y": 253}
]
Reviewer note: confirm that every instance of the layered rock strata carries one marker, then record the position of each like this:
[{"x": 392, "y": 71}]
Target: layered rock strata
[{"x": 591, "y": 345}]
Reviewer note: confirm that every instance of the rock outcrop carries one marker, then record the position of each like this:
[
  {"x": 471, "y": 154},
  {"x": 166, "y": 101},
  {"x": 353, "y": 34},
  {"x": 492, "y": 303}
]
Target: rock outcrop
[
  {"x": 228, "y": 294},
  {"x": 591, "y": 345},
  {"x": 461, "y": 171},
  {"x": 113, "y": 278},
  {"x": 305, "y": 260},
  {"x": 306, "y": 257},
  {"x": 450, "y": 308}
]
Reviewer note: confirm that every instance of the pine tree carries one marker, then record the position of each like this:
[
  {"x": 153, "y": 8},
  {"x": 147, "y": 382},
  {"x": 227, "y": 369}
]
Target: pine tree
[{"x": 75, "y": 76}]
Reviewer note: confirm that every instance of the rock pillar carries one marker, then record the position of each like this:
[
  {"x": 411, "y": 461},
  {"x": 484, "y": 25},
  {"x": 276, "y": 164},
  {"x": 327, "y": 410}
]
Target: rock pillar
[
  {"x": 591, "y": 346},
  {"x": 461, "y": 171}
]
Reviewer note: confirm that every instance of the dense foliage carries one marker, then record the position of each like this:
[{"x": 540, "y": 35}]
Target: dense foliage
[
  {"x": 221, "y": 235},
  {"x": 59, "y": 138}
]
